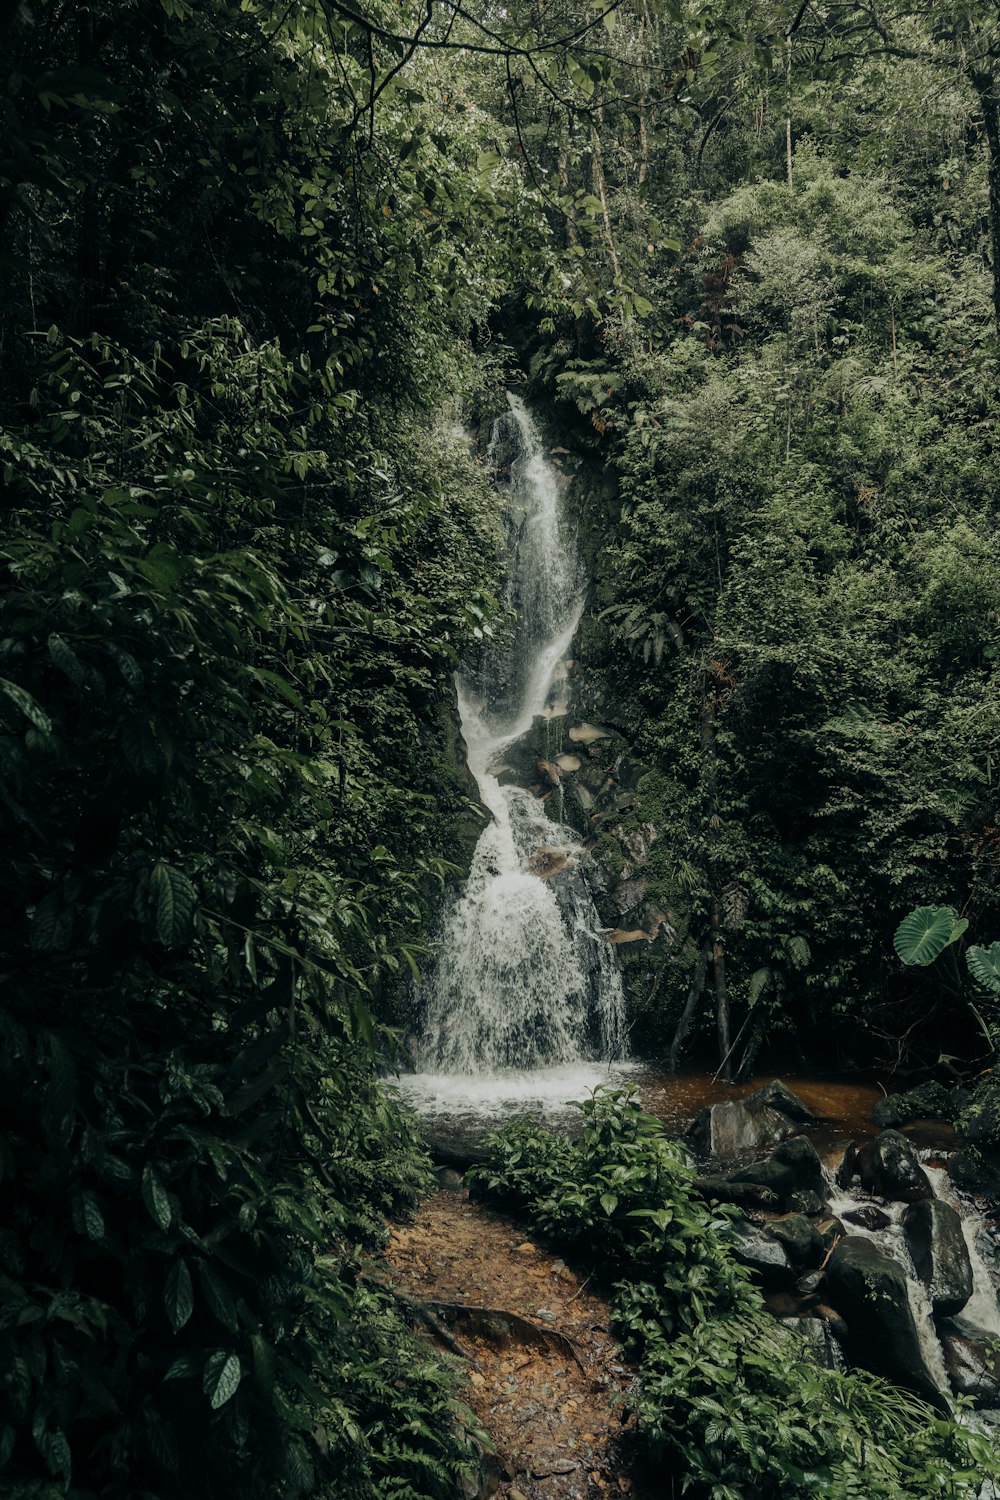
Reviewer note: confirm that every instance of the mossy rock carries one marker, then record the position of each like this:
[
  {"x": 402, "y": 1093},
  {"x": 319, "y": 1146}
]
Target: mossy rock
[
  {"x": 800, "y": 1238},
  {"x": 930, "y": 1101},
  {"x": 976, "y": 1165}
]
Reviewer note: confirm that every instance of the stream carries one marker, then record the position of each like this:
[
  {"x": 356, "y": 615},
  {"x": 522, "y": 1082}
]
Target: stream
[{"x": 523, "y": 1010}]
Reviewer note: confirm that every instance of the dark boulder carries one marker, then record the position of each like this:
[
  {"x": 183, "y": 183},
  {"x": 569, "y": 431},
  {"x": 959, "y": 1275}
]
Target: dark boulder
[
  {"x": 800, "y": 1238},
  {"x": 830, "y": 1230},
  {"x": 768, "y": 1260},
  {"x": 940, "y": 1255},
  {"x": 762, "y": 1120},
  {"x": 834, "y": 1321},
  {"x": 729, "y": 1129},
  {"x": 778, "y": 1096},
  {"x": 888, "y": 1166},
  {"x": 868, "y": 1216},
  {"x": 869, "y": 1290},
  {"x": 807, "y": 1202},
  {"x": 742, "y": 1194},
  {"x": 794, "y": 1167},
  {"x": 976, "y": 1165},
  {"x": 848, "y": 1169},
  {"x": 819, "y": 1338},
  {"x": 930, "y": 1101},
  {"x": 972, "y": 1360}
]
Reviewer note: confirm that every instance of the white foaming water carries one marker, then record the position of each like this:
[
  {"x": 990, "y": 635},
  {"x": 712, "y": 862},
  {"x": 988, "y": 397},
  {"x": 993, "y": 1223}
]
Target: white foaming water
[
  {"x": 525, "y": 998},
  {"x": 892, "y": 1241},
  {"x": 982, "y": 1308}
]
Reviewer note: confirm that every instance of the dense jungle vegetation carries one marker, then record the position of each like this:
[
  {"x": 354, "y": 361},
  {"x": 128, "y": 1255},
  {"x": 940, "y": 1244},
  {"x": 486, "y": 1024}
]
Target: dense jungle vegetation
[{"x": 254, "y": 256}]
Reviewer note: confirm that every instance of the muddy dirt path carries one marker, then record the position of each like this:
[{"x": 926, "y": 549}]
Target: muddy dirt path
[{"x": 547, "y": 1404}]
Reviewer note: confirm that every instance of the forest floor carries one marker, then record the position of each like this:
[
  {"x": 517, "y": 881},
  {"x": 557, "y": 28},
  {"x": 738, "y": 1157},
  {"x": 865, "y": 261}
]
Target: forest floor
[{"x": 544, "y": 1387}]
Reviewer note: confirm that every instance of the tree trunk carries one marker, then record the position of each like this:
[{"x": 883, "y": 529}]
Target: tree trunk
[
  {"x": 987, "y": 86},
  {"x": 601, "y": 190},
  {"x": 687, "y": 1014},
  {"x": 721, "y": 992},
  {"x": 709, "y": 703}
]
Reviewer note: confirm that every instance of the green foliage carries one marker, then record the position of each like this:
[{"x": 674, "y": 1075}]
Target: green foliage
[
  {"x": 925, "y": 933},
  {"x": 984, "y": 966},
  {"x": 731, "y": 1402},
  {"x": 240, "y": 560}
]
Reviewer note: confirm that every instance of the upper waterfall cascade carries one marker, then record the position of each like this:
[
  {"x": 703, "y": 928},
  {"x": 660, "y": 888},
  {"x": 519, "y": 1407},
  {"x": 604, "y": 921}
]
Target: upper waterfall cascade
[{"x": 523, "y": 980}]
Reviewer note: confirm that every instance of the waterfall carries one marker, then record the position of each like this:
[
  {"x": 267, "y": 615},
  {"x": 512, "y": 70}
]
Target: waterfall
[{"x": 523, "y": 981}]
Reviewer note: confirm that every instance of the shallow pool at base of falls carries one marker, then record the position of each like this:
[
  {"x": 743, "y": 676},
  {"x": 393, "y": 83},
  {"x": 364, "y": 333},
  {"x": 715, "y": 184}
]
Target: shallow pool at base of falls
[{"x": 494, "y": 1098}]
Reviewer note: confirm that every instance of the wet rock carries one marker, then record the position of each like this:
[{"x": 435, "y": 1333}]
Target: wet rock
[
  {"x": 931, "y": 1101},
  {"x": 807, "y": 1202},
  {"x": 764, "y": 1256},
  {"x": 809, "y": 1285},
  {"x": 738, "y": 1126},
  {"x": 868, "y": 1216},
  {"x": 830, "y": 1230},
  {"x": 586, "y": 734},
  {"x": 449, "y": 1180},
  {"x": 799, "y": 1237},
  {"x": 761, "y": 1120},
  {"x": 491, "y": 1472},
  {"x": 869, "y": 1290},
  {"x": 779, "y": 1096},
  {"x": 818, "y": 1338},
  {"x": 848, "y": 1169},
  {"x": 451, "y": 1146},
  {"x": 794, "y": 1167},
  {"x": 545, "y": 1468},
  {"x": 790, "y": 1304},
  {"x": 742, "y": 1194},
  {"x": 988, "y": 1249},
  {"x": 834, "y": 1321},
  {"x": 940, "y": 1256},
  {"x": 548, "y": 862},
  {"x": 549, "y": 772},
  {"x": 976, "y": 1165},
  {"x": 976, "y": 1171},
  {"x": 889, "y": 1167},
  {"x": 972, "y": 1361},
  {"x": 630, "y": 893},
  {"x": 628, "y": 935}
]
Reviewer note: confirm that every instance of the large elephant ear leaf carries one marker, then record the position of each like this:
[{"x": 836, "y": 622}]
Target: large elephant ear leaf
[
  {"x": 926, "y": 933},
  {"x": 984, "y": 965}
]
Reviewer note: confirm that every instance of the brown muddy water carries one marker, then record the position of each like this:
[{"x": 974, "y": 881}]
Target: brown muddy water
[{"x": 844, "y": 1105}]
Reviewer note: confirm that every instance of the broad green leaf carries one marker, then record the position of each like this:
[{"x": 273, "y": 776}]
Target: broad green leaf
[
  {"x": 87, "y": 1217},
  {"x": 924, "y": 934},
  {"x": 218, "y": 1297},
  {"x": 26, "y": 703},
  {"x": 221, "y": 1379},
  {"x": 174, "y": 899},
  {"x": 759, "y": 982},
  {"x": 609, "y": 1202},
  {"x": 52, "y": 923},
  {"x": 60, "y": 1096},
  {"x": 154, "y": 1195},
  {"x": 185, "y": 1367},
  {"x": 178, "y": 1296},
  {"x": 984, "y": 965},
  {"x": 66, "y": 659}
]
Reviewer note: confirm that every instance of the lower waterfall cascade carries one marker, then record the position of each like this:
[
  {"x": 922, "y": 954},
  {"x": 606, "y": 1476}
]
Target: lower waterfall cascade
[{"x": 525, "y": 996}]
